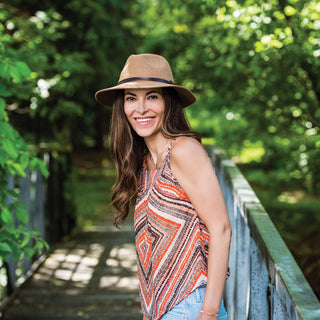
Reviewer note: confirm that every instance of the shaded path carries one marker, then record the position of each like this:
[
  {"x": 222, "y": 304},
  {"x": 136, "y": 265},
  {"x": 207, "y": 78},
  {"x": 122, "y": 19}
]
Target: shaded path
[{"x": 90, "y": 276}]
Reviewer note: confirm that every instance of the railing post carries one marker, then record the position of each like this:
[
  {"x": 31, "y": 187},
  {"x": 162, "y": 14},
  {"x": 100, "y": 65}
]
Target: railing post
[
  {"x": 278, "y": 311},
  {"x": 25, "y": 191},
  {"x": 39, "y": 204},
  {"x": 242, "y": 267},
  {"x": 11, "y": 265},
  {"x": 259, "y": 286}
]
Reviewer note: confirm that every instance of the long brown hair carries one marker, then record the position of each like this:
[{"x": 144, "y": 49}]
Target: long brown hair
[{"x": 128, "y": 149}]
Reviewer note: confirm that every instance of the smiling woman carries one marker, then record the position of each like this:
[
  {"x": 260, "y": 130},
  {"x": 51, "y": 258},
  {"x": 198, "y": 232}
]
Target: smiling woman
[
  {"x": 144, "y": 109},
  {"x": 130, "y": 149},
  {"x": 179, "y": 209}
]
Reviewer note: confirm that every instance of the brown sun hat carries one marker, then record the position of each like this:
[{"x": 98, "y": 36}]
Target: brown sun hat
[{"x": 143, "y": 71}]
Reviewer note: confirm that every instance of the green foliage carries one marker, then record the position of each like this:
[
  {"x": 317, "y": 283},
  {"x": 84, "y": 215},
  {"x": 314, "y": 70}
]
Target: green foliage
[
  {"x": 15, "y": 238},
  {"x": 67, "y": 47},
  {"x": 53, "y": 57},
  {"x": 91, "y": 196},
  {"x": 254, "y": 67}
]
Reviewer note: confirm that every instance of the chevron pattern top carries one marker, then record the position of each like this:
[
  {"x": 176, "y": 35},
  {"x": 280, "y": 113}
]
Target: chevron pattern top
[{"x": 172, "y": 242}]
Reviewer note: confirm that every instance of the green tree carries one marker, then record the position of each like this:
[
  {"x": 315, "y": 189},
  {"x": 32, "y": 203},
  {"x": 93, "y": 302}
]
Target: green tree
[
  {"x": 73, "y": 49},
  {"x": 254, "y": 67},
  {"x": 54, "y": 56},
  {"x": 14, "y": 159}
]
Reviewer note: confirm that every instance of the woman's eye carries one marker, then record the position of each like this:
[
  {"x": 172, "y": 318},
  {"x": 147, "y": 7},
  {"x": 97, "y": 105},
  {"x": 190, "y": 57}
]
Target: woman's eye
[
  {"x": 129, "y": 98},
  {"x": 153, "y": 97}
]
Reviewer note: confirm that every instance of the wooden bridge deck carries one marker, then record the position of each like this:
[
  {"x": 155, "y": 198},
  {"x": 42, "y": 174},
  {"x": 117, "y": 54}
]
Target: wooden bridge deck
[{"x": 90, "y": 276}]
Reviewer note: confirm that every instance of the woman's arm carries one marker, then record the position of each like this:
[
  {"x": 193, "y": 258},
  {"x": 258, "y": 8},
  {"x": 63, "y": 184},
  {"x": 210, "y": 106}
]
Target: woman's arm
[{"x": 193, "y": 169}]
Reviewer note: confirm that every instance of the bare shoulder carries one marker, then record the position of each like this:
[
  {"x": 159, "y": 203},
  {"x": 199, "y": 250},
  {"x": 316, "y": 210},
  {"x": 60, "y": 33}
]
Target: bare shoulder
[{"x": 187, "y": 151}]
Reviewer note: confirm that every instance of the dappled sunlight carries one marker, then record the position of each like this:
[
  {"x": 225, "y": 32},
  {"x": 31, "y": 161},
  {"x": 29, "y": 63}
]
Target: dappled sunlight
[
  {"x": 127, "y": 282},
  {"x": 113, "y": 268},
  {"x": 119, "y": 282},
  {"x": 63, "y": 274},
  {"x": 125, "y": 258},
  {"x": 92, "y": 273},
  {"x": 291, "y": 196}
]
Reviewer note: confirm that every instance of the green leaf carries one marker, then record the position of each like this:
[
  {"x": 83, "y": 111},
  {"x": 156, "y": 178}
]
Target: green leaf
[
  {"x": 25, "y": 241},
  {"x": 43, "y": 169},
  {"x": 10, "y": 148},
  {"x": 4, "y": 92},
  {"x": 4, "y": 70},
  {"x": 7, "y": 217},
  {"x": 4, "y": 247},
  {"x": 39, "y": 245},
  {"x": 37, "y": 163},
  {"x": 7, "y": 130},
  {"x": 35, "y": 233},
  {"x": 32, "y": 164},
  {"x": 13, "y": 234},
  {"x": 2, "y": 105},
  {"x": 16, "y": 253},
  {"x": 3, "y": 113},
  {"x": 23, "y": 68},
  {"x": 24, "y": 161},
  {"x": 46, "y": 245},
  {"x": 16, "y": 168},
  {"x": 28, "y": 252},
  {"x": 4, "y": 256},
  {"x": 3, "y": 235},
  {"x": 15, "y": 74},
  {"x": 13, "y": 193},
  {"x": 290, "y": 11},
  {"x": 22, "y": 215},
  {"x": 3, "y": 158}
]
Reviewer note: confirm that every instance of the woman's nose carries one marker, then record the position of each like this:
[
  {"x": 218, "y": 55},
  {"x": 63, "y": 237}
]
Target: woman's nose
[{"x": 142, "y": 106}]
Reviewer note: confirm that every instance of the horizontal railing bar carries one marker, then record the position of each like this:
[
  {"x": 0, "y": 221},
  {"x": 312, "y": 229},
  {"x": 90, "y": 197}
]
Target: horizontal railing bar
[
  {"x": 50, "y": 147},
  {"x": 289, "y": 281}
]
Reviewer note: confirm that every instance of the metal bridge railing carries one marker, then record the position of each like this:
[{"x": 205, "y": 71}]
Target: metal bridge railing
[
  {"x": 266, "y": 282},
  {"x": 49, "y": 207}
]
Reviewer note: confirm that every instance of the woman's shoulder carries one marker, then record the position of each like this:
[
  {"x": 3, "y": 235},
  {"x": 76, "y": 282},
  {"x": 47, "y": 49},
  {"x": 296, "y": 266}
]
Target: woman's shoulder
[{"x": 186, "y": 149}]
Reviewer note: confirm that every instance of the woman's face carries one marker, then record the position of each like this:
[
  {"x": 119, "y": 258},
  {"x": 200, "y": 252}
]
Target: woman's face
[{"x": 144, "y": 109}]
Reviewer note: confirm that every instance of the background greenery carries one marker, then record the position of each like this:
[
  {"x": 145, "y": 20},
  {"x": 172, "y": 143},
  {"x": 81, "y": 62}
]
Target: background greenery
[{"x": 254, "y": 66}]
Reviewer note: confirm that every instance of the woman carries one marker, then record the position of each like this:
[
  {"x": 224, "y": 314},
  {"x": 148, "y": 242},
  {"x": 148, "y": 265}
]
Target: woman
[{"x": 181, "y": 224}]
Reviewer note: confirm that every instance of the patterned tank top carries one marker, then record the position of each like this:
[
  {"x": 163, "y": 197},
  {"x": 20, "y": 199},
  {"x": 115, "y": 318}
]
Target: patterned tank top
[{"x": 171, "y": 241}]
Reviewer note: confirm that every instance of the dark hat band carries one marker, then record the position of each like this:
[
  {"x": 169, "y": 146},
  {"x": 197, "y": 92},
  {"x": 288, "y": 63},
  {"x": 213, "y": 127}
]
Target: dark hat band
[{"x": 142, "y": 78}]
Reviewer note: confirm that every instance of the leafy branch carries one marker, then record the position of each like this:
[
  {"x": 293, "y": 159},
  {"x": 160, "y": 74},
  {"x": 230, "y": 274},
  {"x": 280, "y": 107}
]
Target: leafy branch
[{"x": 15, "y": 159}]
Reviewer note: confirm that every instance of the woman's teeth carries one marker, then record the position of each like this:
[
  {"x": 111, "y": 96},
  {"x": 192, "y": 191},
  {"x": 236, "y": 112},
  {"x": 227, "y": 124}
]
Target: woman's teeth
[{"x": 144, "y": 120}]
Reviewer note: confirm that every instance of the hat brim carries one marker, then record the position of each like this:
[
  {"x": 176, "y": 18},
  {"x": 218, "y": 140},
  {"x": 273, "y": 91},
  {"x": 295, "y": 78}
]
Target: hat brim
[{"x": 107, "y": 96}]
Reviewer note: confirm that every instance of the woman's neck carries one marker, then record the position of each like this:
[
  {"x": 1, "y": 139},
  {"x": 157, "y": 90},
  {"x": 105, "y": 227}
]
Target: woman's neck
[{"x": 157, "y": 147}]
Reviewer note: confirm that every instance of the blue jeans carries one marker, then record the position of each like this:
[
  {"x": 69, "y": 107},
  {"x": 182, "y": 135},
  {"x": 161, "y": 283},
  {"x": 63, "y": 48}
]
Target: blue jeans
[{"x": 189, "y": 308}]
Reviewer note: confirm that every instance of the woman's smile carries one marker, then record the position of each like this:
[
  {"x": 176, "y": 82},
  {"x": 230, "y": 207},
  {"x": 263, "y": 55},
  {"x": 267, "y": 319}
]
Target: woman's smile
[{"x": 144, "y": 121}]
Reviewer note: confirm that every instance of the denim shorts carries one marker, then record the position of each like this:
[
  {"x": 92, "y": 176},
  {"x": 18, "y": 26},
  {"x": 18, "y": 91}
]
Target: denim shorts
[{"x": 189, "y": 308}]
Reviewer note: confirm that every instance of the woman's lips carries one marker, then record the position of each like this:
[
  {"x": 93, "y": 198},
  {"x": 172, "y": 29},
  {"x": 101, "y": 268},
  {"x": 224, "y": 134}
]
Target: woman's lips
[{"x": 144, "y": 121}]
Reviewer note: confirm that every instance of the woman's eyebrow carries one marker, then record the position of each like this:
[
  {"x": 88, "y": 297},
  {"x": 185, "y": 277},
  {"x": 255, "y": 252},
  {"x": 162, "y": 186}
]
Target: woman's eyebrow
[
  {"x": 132, "y": 94},
  {"x": 149, "y": 92},
  {"x": 154, "y": 91}
]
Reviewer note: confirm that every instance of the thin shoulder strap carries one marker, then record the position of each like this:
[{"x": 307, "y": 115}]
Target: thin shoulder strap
[{"x": 167, "y": 157}]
